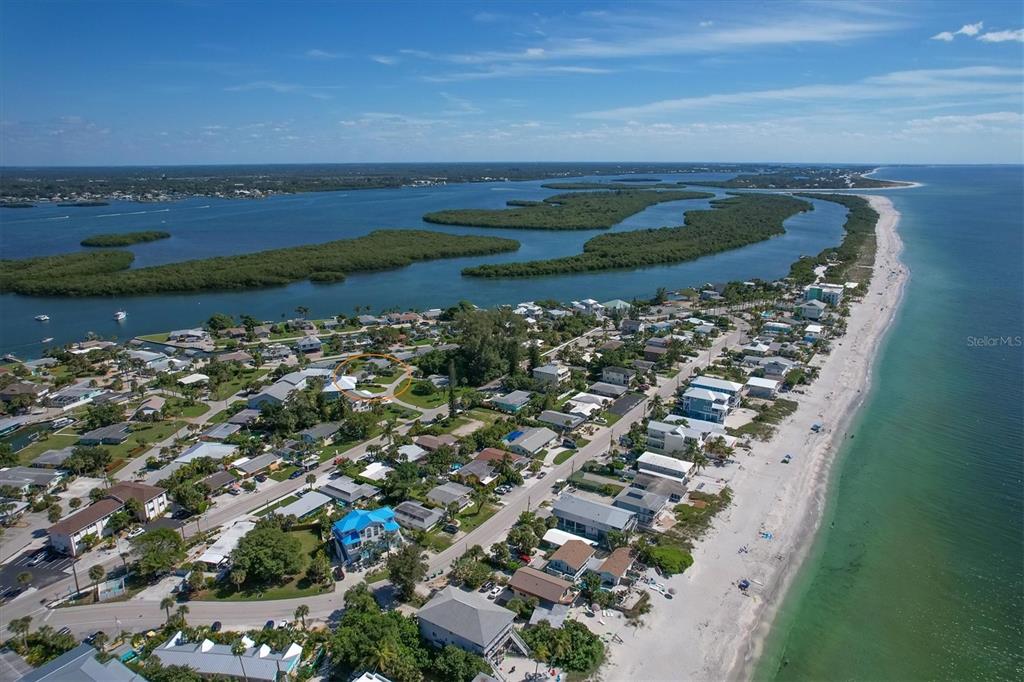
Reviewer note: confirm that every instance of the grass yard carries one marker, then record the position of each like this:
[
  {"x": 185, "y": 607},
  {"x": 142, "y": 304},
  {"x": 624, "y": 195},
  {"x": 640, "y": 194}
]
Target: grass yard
[
  {"x": 176, "y": 407},
  {"x": 610, "y": 417},
  {"x": 453, "y": 424},
  {"x": 393, "y": 411},
  {"x": 428, "y": 402},
  {"x": 563, "y": 456},
  {"x": 228, "y": 388},
  {"x": 226, "y": 413},
  {"x": 156, "y": 338},
  {"x": 470, "y": 520},
  {"x": 280, "y": 503},
  {"x": 45, "y": 444},
  {"x": 293, "y": 588},
  {"x": 376, "y": 576},
  {"x": 283, "y": 473},
  {"x": 487, "y": 416},
  {"x": 142, "y": 438}
]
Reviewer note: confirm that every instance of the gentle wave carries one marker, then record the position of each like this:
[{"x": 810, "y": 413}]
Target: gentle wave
[{"x": 111, "y": 215}]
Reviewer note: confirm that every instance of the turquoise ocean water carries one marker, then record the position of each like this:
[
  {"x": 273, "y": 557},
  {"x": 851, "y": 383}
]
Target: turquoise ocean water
[{"x": 918, "y": 572}]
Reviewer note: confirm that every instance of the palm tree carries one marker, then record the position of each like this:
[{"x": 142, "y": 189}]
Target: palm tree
[
  {"x": 700, "y": 461},
  {"x": 301, "y": 611},
  {"x": 21, "y": 626},
  {"x": 380, "y": 656},
  {"x": 451, "y": 510},
  {"x": 480, "y": 498},
  {"x": 388, "y": 431},
  {"x": 310, "y": 480},
  {"x": 238, "y": 648},
  {"x": 97, "y": 573},
  {"x": 181, "y": 612},
  {"x": 238, "y": 578},
  {"x": 24, "y": 578},
  {"x": 166, "y": 603}
]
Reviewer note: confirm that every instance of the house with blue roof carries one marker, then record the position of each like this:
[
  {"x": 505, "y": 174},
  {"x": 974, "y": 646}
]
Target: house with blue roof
[{"x": 365, "y": 534}]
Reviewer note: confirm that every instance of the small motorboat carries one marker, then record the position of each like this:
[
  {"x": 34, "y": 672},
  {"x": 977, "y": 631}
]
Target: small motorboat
[
  {"x": 120, "y": 315},
  {"x": 43, "y": 318},
  {"x": 48, "y": 339}
]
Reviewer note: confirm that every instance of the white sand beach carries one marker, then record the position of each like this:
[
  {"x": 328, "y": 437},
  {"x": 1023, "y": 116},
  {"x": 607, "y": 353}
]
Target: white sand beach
[{"x": 711, "y": 630}]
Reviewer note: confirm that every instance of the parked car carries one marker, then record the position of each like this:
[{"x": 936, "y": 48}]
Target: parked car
[
  {"x": 261, "y": 478},
  {"x": 495, "y": 591},
  {"x": 542, "y": 475},
  {"x": 37, "y": 559},
  {"x": 486, "y": 587},
  {"x": 296, "y": 474},
  {"x": 269, "y": 625},
  {"x": 787, "y": 459},
  {"x": 136, "y": 532},
  {"x": 216, "y": 626},
  {"x": 283, "y": 625}
]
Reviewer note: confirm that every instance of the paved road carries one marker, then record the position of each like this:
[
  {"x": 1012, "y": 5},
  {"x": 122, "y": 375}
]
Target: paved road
[{"x": 137, "y": 615}]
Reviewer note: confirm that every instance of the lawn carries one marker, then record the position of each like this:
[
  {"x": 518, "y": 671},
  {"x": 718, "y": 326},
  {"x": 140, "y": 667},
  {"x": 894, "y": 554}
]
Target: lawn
[
  {"x": 142, "y": 438},
  {"x": 452, "y": 424},
  {"x": 376, "y": 576},
  {"x": 156, "y": 338},
  {"x": 393, "y": 411},
  {"x": 293, "y": 588},
  {"x": 228, "y": 388},
  {"x": 610, "y": 417},
  {"x": 176, "y": 407},
  {"x": 485, "y": 415},
  {"x": 280, "y": 503},
  {"x": 45, "y": 444},
  {"x": 226, "y": 413},
  {"x": 283, "y": 473},
  {"x": 470, "y": 520},
  {"x": 428, "y": 402},
  {"x": 563, "y": 456}
]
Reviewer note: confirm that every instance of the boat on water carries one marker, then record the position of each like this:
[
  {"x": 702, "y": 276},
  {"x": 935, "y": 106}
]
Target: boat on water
[
  {"x": 120, "y": 315},
  {"x": 48, "y": 339},
  {"x": 43, "y": 318}
]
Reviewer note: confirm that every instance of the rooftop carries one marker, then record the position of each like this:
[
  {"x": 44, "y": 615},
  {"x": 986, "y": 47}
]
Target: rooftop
[{"x": 467, "y": 614}]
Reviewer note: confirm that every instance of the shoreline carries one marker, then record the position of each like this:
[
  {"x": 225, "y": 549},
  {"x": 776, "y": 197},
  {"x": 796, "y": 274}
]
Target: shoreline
[{"x": 719, "y": 631}]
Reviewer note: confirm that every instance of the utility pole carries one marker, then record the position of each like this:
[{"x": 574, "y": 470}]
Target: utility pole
[{"x": 74, "y": 570}]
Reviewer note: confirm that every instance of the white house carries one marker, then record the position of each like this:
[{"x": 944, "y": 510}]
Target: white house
[
  {"x": 551, "y": 375},
  {"x": 759, "y": 387},
  {"x": 663, "y": 466}
]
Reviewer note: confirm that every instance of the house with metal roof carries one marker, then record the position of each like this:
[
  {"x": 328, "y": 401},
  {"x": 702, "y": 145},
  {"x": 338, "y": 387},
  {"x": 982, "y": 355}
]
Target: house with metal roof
[
  {"x": 705, "y": 404},
  {"x": 81, "y": 664},
  {"x": 469, "y": 621},
  {"x": 531, "y": 441},
  {"x": 591, "y": 519},
  {"x": 258, "y": 464},
  {"x": 258, "y": 662},
  {"x": 366, "y": 533},
  {"x": 220, "y": 431},
  {"x": 665, "y": 466},
  {"x": 414, "y": 515},
  {"x": 113, "y": 434},
  {"x": 512, "y": 402},
  {"x": 449, "y": 492},
  {"x": 560, "y": 420},
  {"x": 304, "y": 506},
  {"x": 646, "y": 504},
  {"x": 347, "y": 490},
  {"x": 220, "y": 551},
  {"x": 52, "y": 459}
]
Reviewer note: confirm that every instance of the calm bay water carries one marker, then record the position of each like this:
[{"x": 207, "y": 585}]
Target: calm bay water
[
  {"x": 205, "y": 227},
  {"x": 918, "y": 572}
]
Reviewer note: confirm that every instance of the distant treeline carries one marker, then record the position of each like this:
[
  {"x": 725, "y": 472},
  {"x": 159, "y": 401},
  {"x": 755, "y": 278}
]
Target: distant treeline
[
  {"x": 622, "y": 184},
  {"x": 125, "y": 238},
  {"x": 802, "y": 178},
  {"x": 583, "y": 211},
  {"x": 733, "y": 222},
  {"x": 107, "y": 273},
  {"x": 859, "y": 235}
]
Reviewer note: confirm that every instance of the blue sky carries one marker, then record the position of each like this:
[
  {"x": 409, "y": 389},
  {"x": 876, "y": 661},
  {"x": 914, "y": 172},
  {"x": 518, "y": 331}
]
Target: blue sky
[{"x": 235, "y": 82}]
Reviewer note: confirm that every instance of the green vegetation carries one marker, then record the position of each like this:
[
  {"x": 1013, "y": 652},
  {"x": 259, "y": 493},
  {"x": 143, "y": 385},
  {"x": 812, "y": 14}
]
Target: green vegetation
[
  {"x": 763, "y": 425},
  {"x": 107, "y": 273},
  {"x": 562, "y": 456},
  {"x": 670, "y": 559},
  {"x": 733, "y": 222},
  {"x": 604, "y": 185},
  {"x": 125, "y": 238},
  {"x": 572, "y": 646},
  {"x": 857, "y": 247},
  {"x": 692, "y": 520},
  {"x": 584, "y": 211},
  {"x": 802, "y": 178}
]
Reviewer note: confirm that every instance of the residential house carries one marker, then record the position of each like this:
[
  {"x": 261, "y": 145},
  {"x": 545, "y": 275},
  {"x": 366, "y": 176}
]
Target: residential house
[
  {"x": 447, "y": 493},
  {"x": 82, "y": 664},
  {"x": 813, "y": 332},
  {"x": 402, "y": 318},
  {"x": 732, "y": 389},
  {"x": 590, "y": 519},
  {"x": 26, "y": 479},
  {"x": 701, "y": 403},
  {"x": 309, "y": 344},
  {"x": 53, "y": 459},
  {"x": 758, "y": 387},
  {"x": 614, "y": 568},
  {"x": 570, "y": 560},
  {"x": 411, "y": 453},
  {"x": 257, "y": 663},
  {"x": 363, "y": 533},
  {"x": 309, "y": 503},
  {"x": 23, "y": 389},
  {"x": 603, "y": 388},
  {"x": 561, "y": 421},
  {"x": 66, "y": 535},
  {"x": 219, "y": 480},
  {"x": 152, "y": 500},
  {"x": 664, "y": 466},
  {"x": 673, "y": 489},
  {"x": 73, "y": 396},
  {"x": 414, "y": 515},
  {"x": 832, "y": 294},
  {"x": 654, "y": 353},
  {"x": 646, "y": 504},
  {"x": 551, "y": 375},
  {"x": 150, "y": 407},
  {"x": 321, "y": 434},
  {"x": 494, "y": 455},
  {"x": 529, "y": 582},
  {"x": 258, "y": 464},
  {"x": 478, "y": 472},
  {"x": 610, "y": 345},
  {"x": 349, "y": 491},
  {"x": 431, "y": 443},
  {"x": 189, "y": 336},
  {"x": 512, "y": 402},
  {"x": 811, "y": 310},
  {"x": 620, "y": 376},
  {"x": 244, "y": 417},
  {"x": 628, "y": 326},
  {"x": 219, "y": 432},
  {"x": 531, "y": 441},
  {"x": 470, "y": 622}
]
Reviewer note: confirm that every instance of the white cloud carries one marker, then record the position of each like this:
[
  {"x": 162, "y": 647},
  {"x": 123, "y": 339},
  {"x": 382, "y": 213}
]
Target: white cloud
[
  {"x": 459, "y": 106},
  {"x": 314, "y": 91},
  {"x": 918, "y": 84},
  {"x": 384, "y": 59},
  {"x": 965, "y": 30},
  {"x": 706, "y": 24},
  {"x": 969, "y": 123},
  {"x": 322, "y": 54},
  {"x": 513, "y": 70},
  {"x": 1003, "y": 36}
]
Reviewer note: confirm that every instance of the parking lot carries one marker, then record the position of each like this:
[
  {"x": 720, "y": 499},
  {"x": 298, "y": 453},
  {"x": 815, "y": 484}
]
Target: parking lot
[{"x": 51, "y": 569}]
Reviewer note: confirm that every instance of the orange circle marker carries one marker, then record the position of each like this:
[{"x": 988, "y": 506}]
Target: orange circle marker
[{"x": 371, "y": 399}]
